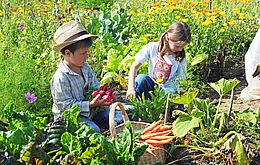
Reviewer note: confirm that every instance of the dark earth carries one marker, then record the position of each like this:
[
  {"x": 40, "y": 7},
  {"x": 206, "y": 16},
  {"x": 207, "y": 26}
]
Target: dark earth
[{"x": 233, "y": 69}]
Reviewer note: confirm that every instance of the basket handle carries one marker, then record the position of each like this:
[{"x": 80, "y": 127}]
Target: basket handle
[{"x": 112, "y": 118}]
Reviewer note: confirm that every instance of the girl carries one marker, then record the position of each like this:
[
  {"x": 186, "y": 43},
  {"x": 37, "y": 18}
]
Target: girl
[{"x": 167, "y": 62}]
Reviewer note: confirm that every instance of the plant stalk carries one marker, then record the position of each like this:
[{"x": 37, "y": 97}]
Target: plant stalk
[
  {"x": 216, "y": 114},
  {"x": 224, "y": 138},
  {"x": 230, "y": 106},
  {"x": 203, "y": 129},
  {"x": 202, "y": 149}
]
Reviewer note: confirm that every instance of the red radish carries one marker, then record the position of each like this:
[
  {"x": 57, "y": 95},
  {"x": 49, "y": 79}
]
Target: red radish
[
  {"x": 102, "y": 92},
  {"x": 109, "y": 91},
  {"x": 103, "y": 87},
  {"x": 94, "y": 94}
]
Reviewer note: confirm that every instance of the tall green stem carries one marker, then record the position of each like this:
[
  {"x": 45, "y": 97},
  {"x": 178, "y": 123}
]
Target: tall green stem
[
  {"x": 203, "y": 129},
  {"x": 216, "y": 114}
]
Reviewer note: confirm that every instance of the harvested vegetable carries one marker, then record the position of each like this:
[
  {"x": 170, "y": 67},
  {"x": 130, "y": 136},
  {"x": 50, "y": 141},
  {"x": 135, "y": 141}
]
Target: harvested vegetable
[
  {"x": 147, "y": 136},
  {"x": 152, "y": 126},
  {"x": 156, "y": 143}
]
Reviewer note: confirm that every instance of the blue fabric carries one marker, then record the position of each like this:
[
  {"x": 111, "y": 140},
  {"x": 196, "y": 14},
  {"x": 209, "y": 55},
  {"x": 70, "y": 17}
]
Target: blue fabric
[
  {"x": 144, "y": 84},
  {"x": 101, "y": 119}
]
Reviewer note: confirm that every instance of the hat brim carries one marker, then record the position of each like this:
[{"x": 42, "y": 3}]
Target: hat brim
[{"x": 59, "y": 47}]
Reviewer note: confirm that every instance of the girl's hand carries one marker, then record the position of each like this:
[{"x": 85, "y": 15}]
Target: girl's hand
[
  {"x": 97, "y": 102},
  {"x": 130, "y": 93}
]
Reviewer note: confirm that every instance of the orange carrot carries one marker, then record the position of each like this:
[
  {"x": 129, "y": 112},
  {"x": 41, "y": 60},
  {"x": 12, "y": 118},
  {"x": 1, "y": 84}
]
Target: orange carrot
[
  {"x": 158, "y": 142},
  {"x": 165, "y": 127},
  {"x": 186, "y": 142},
  {"x": 156, "y": 129},
  {"x": 147, "y": 136},
  {"x": 162, "y": 137},
  {"x": 152, "y": 126}
]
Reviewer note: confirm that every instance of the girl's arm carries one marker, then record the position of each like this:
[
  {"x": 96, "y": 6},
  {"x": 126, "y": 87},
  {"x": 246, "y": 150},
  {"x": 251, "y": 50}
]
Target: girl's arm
[{"x": 131, "y": 80}]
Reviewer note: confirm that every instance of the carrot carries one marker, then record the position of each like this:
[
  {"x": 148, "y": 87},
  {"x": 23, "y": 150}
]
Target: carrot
[
  {"x": 156, "y": 129},
  {"x": 152, "y": 126},
  {"x": 165, "y": 127},
  {"x": 162, "y": 137},
  {"x": 147, "y": 136},
  {"x": 158, "y": 142},
  {"x": 186, "y": 142}
]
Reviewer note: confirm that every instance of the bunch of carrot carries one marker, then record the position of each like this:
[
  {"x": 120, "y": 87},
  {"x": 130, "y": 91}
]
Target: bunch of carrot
[{"x": 157, "y": 134}]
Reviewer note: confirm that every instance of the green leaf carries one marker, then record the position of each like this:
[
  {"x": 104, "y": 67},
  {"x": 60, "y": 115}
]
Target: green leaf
[
  {"x": 71, "y": 117},
  {"x": 126, "y": 63},
  {"x": 234, "y": 143},
  {"x": 198, "y": 59},
  {"x": 183, "y": 124},
  {"x": 109, "y": 77},
  {"x": 248, "y": 116},
  {"x": 70, "y": 143},
  {"x": 17, "y": 137},
  {"x": 197, "y": 113},
  {"x": 186, "y": 98},
  {"x": 223, "y": 86}
]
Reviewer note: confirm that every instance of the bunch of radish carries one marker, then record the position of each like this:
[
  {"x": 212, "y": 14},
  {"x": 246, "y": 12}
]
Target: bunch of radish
[
  {"x": 105, "y": 93},
  {"x": 157, "y": 134}
]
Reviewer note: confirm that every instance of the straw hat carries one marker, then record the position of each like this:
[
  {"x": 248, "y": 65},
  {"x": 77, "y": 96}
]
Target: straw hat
[{"x": 70, "y": 33}]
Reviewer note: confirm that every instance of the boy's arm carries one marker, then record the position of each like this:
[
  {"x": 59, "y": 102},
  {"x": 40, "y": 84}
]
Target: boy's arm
[{"x": 62, "y": 97}]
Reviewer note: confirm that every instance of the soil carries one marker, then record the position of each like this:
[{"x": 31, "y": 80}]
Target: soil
[{"x": 234, "y": 69}]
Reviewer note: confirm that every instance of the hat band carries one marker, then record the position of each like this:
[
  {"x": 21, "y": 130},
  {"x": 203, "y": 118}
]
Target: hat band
[{"x": 76, "y": 36}]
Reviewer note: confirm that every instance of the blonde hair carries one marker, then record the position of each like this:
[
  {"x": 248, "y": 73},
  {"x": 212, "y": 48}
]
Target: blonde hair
[{"x": 179, "y": 31}]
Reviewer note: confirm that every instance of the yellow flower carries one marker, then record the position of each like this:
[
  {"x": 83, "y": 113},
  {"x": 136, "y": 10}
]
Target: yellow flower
[
  {"x": 159, "y": 80},
  {"x": 148, "y": 35},
  {"x": 46, "y": 62},
  {"x": 89, "y": 10},
  {"x": 222, "y": 30},
  {"x": 177, "y": 17},
  {"x": 185, "y": 20},
  {"x": 225, "y": 24},
  {"x": 206, "y": 23},
  {"x": 242, "y": 16},
  {"x": 150, "y": 20},
  {"x": 231, "y": 22},
  {"x": 174, "y": 7},
  {"x": 132, "y": 13},
  {"x": 155, "y": 39},
  {"x": 222, "y": 13},
  {"x": 165, "y": 24}
]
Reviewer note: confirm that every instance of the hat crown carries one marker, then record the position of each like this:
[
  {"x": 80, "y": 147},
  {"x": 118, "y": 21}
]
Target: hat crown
[{"x": 67, "y": 30}]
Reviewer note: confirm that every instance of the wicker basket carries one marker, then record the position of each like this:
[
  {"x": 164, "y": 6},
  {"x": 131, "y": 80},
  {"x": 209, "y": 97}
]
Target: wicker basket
[{"x": 154, "y": 156}]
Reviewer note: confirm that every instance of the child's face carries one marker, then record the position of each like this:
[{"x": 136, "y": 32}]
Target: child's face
[
  {"x": 176, "y": 46},
  {"x": 78, "y": 58}
]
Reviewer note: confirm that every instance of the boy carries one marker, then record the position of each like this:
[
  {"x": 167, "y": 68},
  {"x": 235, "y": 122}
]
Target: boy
[{"x": 74, "y": 75}]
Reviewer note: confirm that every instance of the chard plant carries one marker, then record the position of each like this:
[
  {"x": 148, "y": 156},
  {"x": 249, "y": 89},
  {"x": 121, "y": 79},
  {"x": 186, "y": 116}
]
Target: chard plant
[
  {"x": 222, "y": 87},
  {"x": 199, "y": 119}
]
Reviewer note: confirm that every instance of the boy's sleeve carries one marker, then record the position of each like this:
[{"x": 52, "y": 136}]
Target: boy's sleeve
[
  {"x": 62, "y": 97},
  {"x": 94, "y": 83}
]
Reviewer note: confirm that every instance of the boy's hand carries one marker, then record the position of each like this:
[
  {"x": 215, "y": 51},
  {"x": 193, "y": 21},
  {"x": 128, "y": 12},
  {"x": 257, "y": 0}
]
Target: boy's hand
[{"x": 97, "y": 102}]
